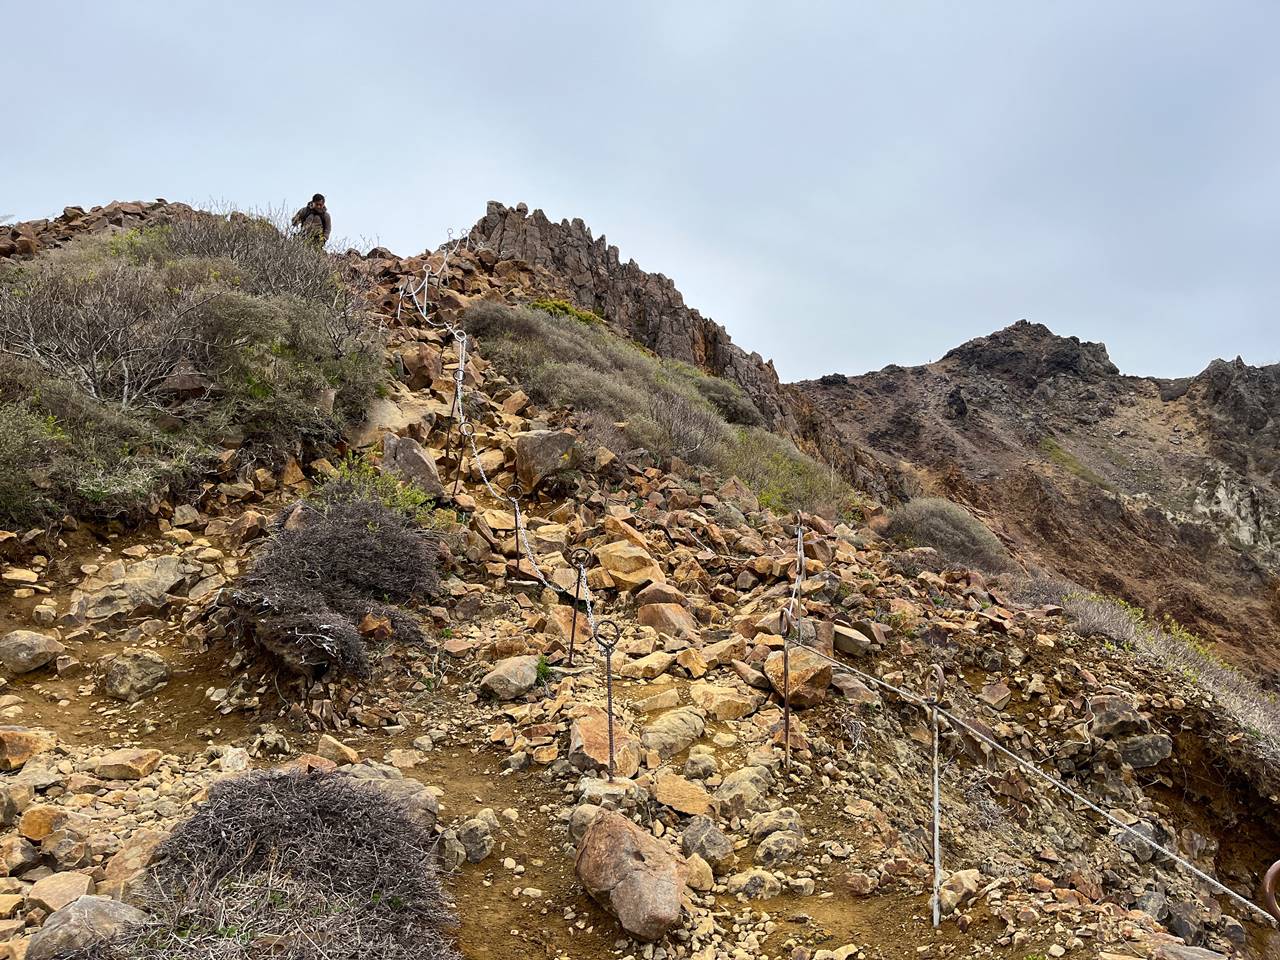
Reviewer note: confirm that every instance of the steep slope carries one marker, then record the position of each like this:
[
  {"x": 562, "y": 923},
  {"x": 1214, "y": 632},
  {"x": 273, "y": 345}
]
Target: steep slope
[
  {"x": 499, "y": 744},
  {"x": 1166, "y": 493}
]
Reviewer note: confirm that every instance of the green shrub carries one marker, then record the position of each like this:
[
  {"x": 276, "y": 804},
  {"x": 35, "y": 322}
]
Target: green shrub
[
  {"x": 783, "y": 477},
  {"x": 623, "y": 394},
  {"x": 563, "y": 308},
  {"x": 359, "y": 479},
  {"x": 1175, "y": 650},
  {"x": 1068, "y": 461},
  {"x": 956, "y": 534}
]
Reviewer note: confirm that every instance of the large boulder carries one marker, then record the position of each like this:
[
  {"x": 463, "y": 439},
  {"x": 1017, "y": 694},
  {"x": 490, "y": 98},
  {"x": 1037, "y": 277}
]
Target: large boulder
[
  {"x": 541, "y": 453},
  {"x": 144, "y": 588},
  {"x": 703, "y": 838},
  {"x": 407, "y": 458},
  {"x": 722, "y": 703},
  {"x": 58, "y": 889},
  {"x": 1146, "y": 749},
  {"x": 511, "y": 678},
  {"x": 810, "y": 675},
  {"x": 629, "y": 566},
  {"x": 631, "y": 874},
  {"x": 127, "y": 763},
  {"x": 744, "y": 791},
  {"x": 134, "y": 674},
  {"x": 20, "y": 744},
  {"x": 673, "y": 619},
  {"x": 22, "y": 651},
  {"x": 673, "y": 732},
  {"x": 80, "y": 924}
]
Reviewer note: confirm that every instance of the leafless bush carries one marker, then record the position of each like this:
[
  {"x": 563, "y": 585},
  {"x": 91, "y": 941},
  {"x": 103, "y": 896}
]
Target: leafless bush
[
  {"x": 951, "y": 530},
  {"x": 296, "y": 866},
  {"x": 683, "y": 427},
  {"x": 332, "y": 565},
  {"x": 273, "y": 261},
  {"x": 982, "y": 811},
  {"x": 1039, "y": 588},
  {"x": 117, "y": 334},
  {"x": 1099, "y": 616}
]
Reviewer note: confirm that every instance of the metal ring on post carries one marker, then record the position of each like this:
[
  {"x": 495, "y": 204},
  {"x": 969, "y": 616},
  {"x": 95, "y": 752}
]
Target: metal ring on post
[
  {"x": 515, "y": 492},
  {"x": 1270, "y": 884},
  {"x": 607, "y": 645},
  {"x": 579, "y": 560}
]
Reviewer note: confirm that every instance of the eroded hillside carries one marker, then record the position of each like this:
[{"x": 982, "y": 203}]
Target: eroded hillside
[
  {"x": 151, "y": 663},
  {"x": 1161, "y": 492}
]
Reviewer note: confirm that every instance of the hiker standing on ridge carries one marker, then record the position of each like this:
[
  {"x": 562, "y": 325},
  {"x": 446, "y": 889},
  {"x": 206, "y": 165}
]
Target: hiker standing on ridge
[{"x": 313, "y": 220}]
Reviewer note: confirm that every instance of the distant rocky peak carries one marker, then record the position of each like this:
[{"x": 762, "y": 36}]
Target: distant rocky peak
[{"x": 1027, "y": 353}]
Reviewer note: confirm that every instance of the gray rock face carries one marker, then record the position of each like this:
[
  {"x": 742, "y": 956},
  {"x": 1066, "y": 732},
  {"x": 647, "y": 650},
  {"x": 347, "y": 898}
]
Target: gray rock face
[
  {"x": 406, "y": 457},
  {"x": 779, "y": 848},
  {"x": 81, "y": 923},
  {"x": 134, "y": 674},
  {"x": 1146, "y": 750},
  {"x": 647, "y": 307},
  {"x": 476, "y": 838},
  {"x": 419, "y": 803},
  {"x": 1114, "y": 716},
  {"x": 632, "y": 875},
  {"x": 703, "y": 838},
  {"x": 744, "y": 791},
  {"x": 143, "y": 588},
  {"x": 511, "y": 678},
  {"x": 22, "y": 651},
  {"x": 764, "y": 824}
]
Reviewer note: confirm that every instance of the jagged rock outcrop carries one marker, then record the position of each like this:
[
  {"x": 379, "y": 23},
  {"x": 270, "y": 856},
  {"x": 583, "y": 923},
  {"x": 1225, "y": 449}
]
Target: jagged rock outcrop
[
  {"x": 645, "y": 306},
  {"x": 22, "y": 241}
]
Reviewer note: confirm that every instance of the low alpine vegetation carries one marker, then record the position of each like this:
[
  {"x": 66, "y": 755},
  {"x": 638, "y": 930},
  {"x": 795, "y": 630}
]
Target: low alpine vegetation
[
  {"x": 124, "y": 362},
  {"x": 957, "y": 535},
  {"x": 628, "y": 400}
]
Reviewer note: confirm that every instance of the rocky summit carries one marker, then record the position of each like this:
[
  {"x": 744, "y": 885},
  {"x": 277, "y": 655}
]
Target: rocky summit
[{"x": 553, "y": 679}]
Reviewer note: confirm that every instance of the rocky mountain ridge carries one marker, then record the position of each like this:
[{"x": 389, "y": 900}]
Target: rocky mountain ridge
[
  {"x": 135, "y": 693},
  {"x": 1164, "y": 492}
]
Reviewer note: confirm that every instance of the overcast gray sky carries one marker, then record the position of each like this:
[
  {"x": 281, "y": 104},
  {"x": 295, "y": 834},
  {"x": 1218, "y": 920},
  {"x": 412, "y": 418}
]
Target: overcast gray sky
[{"x": 842, "y": 185}]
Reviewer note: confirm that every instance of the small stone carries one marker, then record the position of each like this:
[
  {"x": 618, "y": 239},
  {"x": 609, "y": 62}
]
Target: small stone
[
  {"x": 127, "y": 764},
  {"x": 331, "y": 748}
]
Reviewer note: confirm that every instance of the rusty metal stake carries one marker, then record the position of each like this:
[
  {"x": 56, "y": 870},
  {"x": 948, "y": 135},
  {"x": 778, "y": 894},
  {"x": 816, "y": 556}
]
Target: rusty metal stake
[
  {"x": 607, "y": 647},
  {"x": 787, "y": 624},
  {"x": 579, "y": 559}
]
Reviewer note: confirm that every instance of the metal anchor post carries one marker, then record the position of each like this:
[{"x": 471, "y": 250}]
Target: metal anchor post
[
  {"x": 939, "y": 689},
  {"x": 579, "y": 559},
  {"x": 465, "y": 432},
  {"x": 788, "y": 623},
  {"x": 607, "y": 646}
]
